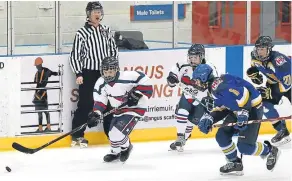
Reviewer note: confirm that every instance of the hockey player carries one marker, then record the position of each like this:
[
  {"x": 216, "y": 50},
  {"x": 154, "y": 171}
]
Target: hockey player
[
  {"x": 119, "y": 87},
  {"x": 238, "y": 101},
  {"x": 277, "y": 69},
  {"x": 188, "y": 110}
]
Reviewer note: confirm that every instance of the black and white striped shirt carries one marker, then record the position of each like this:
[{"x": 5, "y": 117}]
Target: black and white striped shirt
[{"x": 91, "y": 45}]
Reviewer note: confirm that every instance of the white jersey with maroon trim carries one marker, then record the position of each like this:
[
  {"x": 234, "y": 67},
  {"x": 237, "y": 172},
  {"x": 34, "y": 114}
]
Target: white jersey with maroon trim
[{"x": 116, "y": 92}]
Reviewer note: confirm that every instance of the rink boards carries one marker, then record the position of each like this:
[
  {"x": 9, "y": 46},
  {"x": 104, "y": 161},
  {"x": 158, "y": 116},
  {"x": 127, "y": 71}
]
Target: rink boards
[{"x": 159, "y": 121}]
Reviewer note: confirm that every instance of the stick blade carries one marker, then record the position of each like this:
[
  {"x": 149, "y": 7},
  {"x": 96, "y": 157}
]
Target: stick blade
[{"x": 22, "y": 149}]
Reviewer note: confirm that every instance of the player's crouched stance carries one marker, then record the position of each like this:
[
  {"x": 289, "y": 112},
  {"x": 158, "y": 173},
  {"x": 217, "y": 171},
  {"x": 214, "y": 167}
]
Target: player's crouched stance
[
  {"x": 118, "y": 87},
  {"x": 238, "y": 101}
]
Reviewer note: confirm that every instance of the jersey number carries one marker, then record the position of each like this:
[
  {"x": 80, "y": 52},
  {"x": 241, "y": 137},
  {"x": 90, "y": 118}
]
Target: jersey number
[
  {"x": 287, "y": 80},
  {"x": 234, "y": 91}
]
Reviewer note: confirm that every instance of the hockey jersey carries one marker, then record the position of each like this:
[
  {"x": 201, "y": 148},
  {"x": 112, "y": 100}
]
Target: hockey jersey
[
  {"x": 234, "y": 93},
  {"x": 116, "y": 92},
  {"x": 184, "y": 73},
  {"x": 277, "y": 69}
]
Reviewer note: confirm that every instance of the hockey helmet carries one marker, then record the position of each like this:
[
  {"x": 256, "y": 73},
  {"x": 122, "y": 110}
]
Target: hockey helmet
[
  {"x": 109, "y": 68},
  {"x": 196, "y": 54},
  {"x": 263, "y": 42},
  {"x": 203, "y": 74}
]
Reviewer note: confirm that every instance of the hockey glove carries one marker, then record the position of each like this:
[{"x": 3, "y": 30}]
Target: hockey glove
[
  {"x": 265, "y": 92},
  {"x": 205, "y": 123},
  {"x": 94, "y": 118},
  {"x": 133, "y": 98},
  {"x": 254, "y": 75},
  {"x": 172, "y": 80},
  {"x": 242, "y": 118}
]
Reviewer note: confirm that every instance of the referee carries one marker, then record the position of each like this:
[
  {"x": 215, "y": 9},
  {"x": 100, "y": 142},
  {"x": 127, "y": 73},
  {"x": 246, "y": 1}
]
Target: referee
[{"x": 93, "y": 42}]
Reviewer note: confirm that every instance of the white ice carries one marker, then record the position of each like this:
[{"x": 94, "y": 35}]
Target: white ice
[{"x": 148, "y": 162}]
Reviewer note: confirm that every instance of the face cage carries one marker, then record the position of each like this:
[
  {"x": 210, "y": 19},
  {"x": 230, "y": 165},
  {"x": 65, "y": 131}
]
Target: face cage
[
  {"x": 262, "y": 58},
  {"x": 109, "y": 78},
  {"x": 201, "y": 59}
]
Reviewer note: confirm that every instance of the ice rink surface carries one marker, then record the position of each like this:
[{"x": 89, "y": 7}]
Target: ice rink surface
[{"x": 150, "y": 161}]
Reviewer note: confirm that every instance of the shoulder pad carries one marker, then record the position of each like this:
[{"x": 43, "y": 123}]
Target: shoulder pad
[
  {"x": 279, "y": 60},
  {"x": 216, "y": 84},
  {"x": 254, "y": 61}
]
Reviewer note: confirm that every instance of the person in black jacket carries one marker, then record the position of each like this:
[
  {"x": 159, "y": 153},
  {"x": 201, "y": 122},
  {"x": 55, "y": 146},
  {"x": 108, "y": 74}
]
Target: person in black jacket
[
  {"x": 40, "y": 98},
  {"x": 93, "y": 42}
]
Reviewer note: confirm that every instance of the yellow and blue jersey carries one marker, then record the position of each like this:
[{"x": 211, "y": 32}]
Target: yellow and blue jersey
[
  {"x": 277, "y": 69},
  {"x": 234, "y": 93}
]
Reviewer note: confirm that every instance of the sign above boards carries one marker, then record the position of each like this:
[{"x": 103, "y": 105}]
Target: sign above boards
[{"x": 156, "y": 12}]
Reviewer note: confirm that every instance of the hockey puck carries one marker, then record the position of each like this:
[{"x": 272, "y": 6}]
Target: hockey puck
[{"x": 8, "y": 169}]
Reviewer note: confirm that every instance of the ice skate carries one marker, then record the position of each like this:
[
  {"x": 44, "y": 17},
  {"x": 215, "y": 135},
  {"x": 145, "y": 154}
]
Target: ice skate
[
  {"x": 281, "y": 138},
  {"x": 232, "y": 168}
]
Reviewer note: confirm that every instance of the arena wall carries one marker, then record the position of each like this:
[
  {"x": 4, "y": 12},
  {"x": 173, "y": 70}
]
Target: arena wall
[{"x": 159, "y": 121}]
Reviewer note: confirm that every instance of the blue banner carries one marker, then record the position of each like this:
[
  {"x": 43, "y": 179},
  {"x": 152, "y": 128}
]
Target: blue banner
[{"x": 155, "y": 12}]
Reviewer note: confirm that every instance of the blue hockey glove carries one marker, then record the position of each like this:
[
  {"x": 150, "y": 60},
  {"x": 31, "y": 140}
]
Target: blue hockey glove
[
  {"x": 205, "y": 123},
  {"x": 242, "y": 118}
]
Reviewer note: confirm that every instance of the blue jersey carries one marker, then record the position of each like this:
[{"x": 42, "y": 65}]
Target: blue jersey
[
  {"x": 234, "y": 93},
  {"x": 277, "y": 69}
]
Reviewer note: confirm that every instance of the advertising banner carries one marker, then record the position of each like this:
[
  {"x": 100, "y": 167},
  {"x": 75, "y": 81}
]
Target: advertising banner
[{"x": 62, "y": 97}]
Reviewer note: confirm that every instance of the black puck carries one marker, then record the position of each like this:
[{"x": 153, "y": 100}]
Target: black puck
[{"x": 8, "y": 169}]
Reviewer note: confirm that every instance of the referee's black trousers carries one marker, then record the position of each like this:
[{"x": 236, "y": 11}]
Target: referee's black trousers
[{"x": 85, "y": 103}]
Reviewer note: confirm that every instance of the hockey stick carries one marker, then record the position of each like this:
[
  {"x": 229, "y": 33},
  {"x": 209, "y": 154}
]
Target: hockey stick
[
  {"x": 26, "y": 150},
  {"x": 253, "y": 121},
  {"x": 191, "y": 92}
]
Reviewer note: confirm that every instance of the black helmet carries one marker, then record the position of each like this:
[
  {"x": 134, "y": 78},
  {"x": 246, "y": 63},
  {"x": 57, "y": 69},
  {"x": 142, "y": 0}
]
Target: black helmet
[
  {"x": 93, "y": 6},
  {"x": 197, "y": 49},
  {"x": 109, "y": 63},
  {"x": 264, "y": 41}
]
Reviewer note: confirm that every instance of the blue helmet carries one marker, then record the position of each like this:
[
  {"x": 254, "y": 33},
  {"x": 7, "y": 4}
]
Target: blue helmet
[{"x": 203, "y": 72}]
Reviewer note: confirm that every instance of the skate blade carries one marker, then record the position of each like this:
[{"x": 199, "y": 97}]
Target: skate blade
[
  {"x": 83, "y": 145},
  {"x": 234, "y": 173},
  {"x": 278, "y": 155},
  {"x": 73, "y": 144},
  {"x": 114, "y": 161},
  {"x": 284, "y": 141},
  {"x": 177, "y": 149},
  {"x": 180, "y": 148},
  {"x": 171, "y": 149}
]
